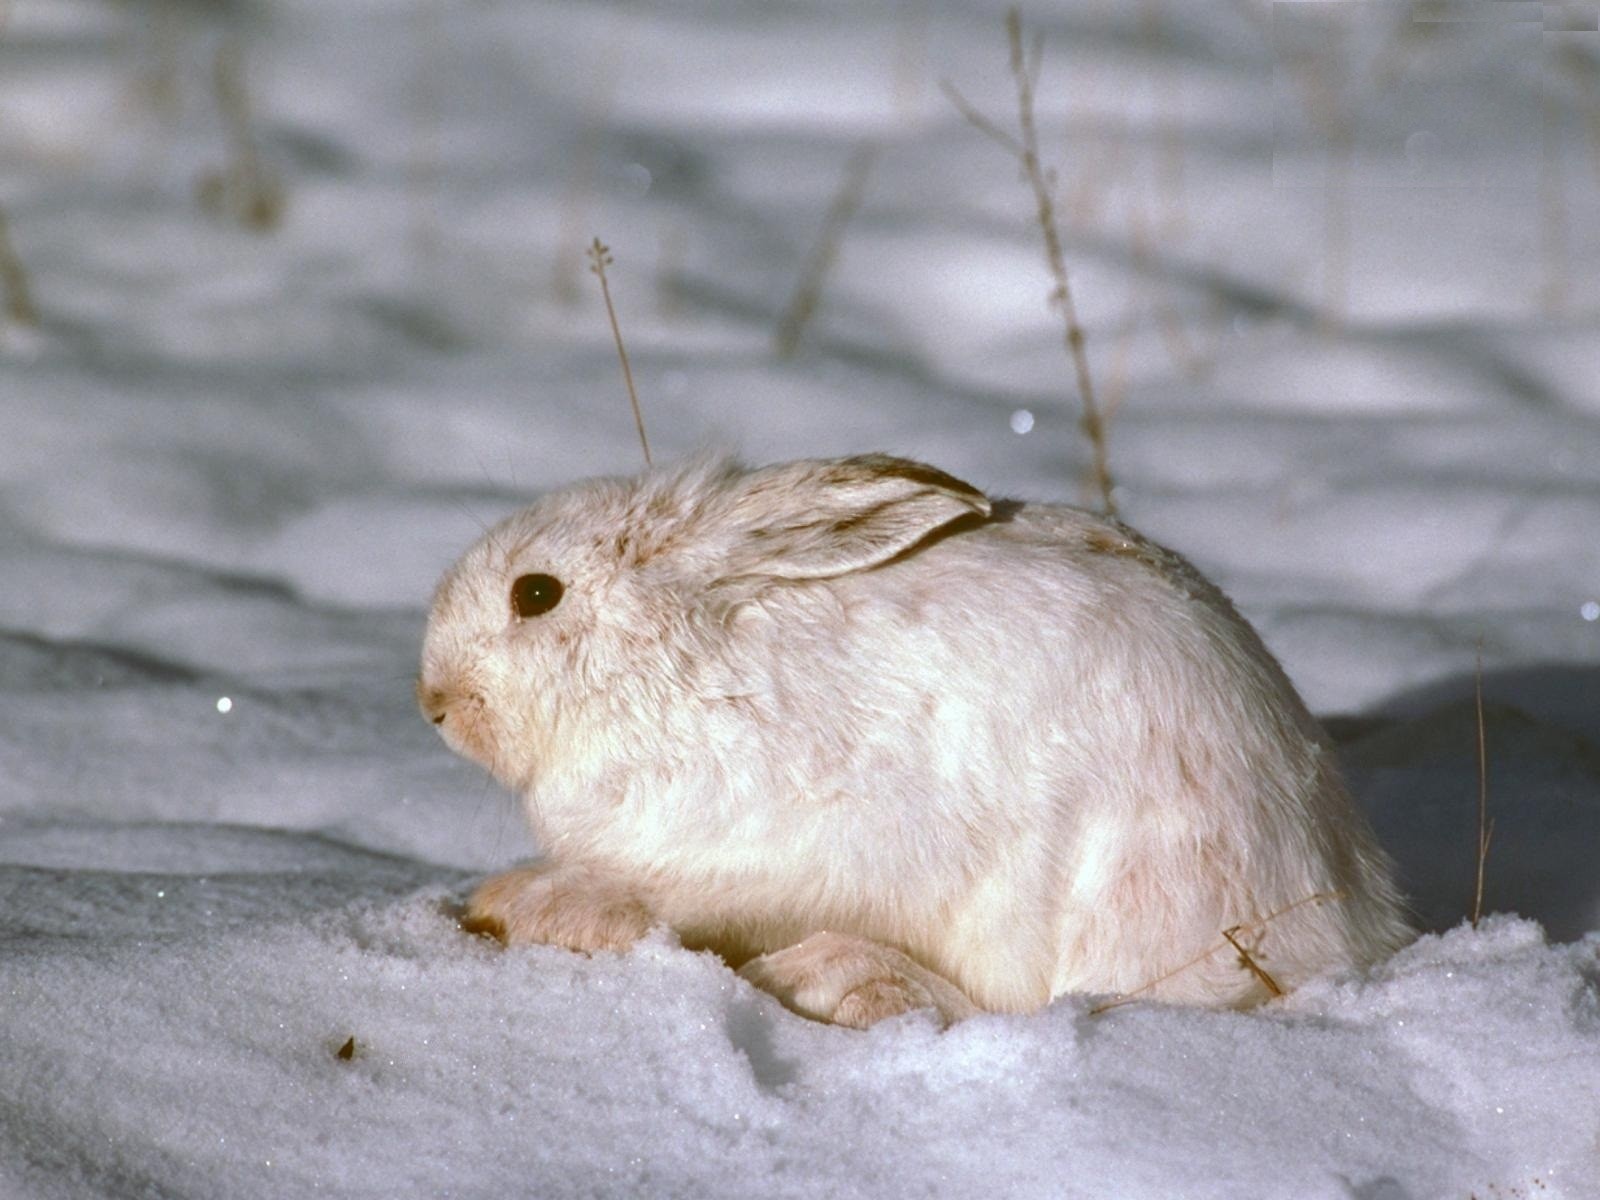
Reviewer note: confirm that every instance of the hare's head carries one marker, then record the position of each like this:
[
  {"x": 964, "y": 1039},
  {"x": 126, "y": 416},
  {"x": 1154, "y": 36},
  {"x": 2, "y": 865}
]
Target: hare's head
[{"x": 579, "y": 623}]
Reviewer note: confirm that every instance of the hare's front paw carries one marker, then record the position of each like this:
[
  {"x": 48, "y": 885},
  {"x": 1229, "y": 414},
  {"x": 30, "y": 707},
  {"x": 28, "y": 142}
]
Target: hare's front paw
[
  {"x": 853, "y": 981},
  {"x": 556, "y": 906}
]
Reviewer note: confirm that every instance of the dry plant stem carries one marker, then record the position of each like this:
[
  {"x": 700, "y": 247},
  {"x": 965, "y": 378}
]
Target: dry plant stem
[
  {"x": 600, "y": 259},
  {"x": 14, "y": 280},
  {"x": 1025, "y": 62},
  {"x": 14, "y": 289},
  {"x": 1228, "y": 941},
  {"x": 1093, "y": 425},
  {"x": 1485, "y": 826},
  {"x": 809, "y": 290},
  {"x": 243, "y": 189},
  {"x": 1255, "y": 968},
  {"x": 977, "y": 120}
]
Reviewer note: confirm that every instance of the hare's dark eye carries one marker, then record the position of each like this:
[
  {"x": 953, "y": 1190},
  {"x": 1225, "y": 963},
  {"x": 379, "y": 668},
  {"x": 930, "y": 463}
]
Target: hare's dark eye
[{"x": 535, "y": 595}]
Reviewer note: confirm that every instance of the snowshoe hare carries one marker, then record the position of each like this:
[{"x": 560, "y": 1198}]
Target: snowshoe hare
[{"x": 890, "y": 744}]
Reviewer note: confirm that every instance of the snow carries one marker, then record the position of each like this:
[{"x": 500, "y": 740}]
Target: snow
[{"x": 234, "y": 462}]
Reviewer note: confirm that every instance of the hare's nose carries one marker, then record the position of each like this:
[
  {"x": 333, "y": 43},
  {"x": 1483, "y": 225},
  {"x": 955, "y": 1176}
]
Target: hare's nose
[{"x": 434, "y": 702}]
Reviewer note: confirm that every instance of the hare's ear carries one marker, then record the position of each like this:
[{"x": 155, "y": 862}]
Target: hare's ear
[{"x": 815, "y": 519}]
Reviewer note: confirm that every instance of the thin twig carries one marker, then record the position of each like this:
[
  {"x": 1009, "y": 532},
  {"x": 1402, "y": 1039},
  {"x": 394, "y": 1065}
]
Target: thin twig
[
  {"x": 977, "y": 120},
  {"x": 1026, "y": 61},
  {"x": 243, "y": 190},
  {"x": 1267, "y": 981},
  {"x": 808, "y": 292},
  {"x": 1093, "y": 426},
  {"x": 599, "y": 260},
  {"x": 1257, "y": 923},
  {"x": 19, "y": 305},
  {"x": 1485, "y": 826}
]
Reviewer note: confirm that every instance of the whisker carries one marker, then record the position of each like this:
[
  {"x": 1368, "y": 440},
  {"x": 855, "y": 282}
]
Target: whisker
[{"x": 466, "y": 510}]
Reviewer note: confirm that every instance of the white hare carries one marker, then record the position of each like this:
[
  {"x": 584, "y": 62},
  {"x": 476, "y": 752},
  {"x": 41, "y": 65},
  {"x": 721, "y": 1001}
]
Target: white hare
[{"x": 890, "y": 744}]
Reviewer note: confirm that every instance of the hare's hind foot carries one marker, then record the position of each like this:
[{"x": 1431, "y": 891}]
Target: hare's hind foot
[{"x": 854, "y": 981}]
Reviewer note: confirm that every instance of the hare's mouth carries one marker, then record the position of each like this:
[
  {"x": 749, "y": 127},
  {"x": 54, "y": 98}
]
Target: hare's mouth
[{"x": 462, "y": 720}]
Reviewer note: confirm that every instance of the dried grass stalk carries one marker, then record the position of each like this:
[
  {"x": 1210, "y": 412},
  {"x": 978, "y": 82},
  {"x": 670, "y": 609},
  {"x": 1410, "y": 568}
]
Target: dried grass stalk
[
  {"x": 243, "y": 190},
  {"x": 1025, "y": 63},
  {"x": 1485, "y": 826},
  {"x": 14, "y": 286},
  {"x": 1229, "y": 940},
  {"x": 599, "y": 260},
  {"x": 852, "y": 187},
  {"x": 1255, "y": 968}
]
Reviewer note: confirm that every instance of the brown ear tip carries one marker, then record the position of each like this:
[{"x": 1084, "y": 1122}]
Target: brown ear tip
[{"x": 924, "y": 474}]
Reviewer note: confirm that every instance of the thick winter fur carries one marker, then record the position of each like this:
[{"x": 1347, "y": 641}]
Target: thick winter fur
[{"x": 1014, "y": 747}]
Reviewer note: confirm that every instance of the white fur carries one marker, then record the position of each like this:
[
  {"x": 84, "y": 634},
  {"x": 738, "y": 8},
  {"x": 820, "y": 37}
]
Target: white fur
[{"x": 1018, "y": 743}]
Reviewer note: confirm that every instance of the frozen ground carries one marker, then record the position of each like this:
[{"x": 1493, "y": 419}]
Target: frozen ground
[{"x": 232, "y": 463}]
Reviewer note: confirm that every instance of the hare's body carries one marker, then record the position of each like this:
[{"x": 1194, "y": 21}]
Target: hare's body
[{"x": 1019, "y": 744}]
